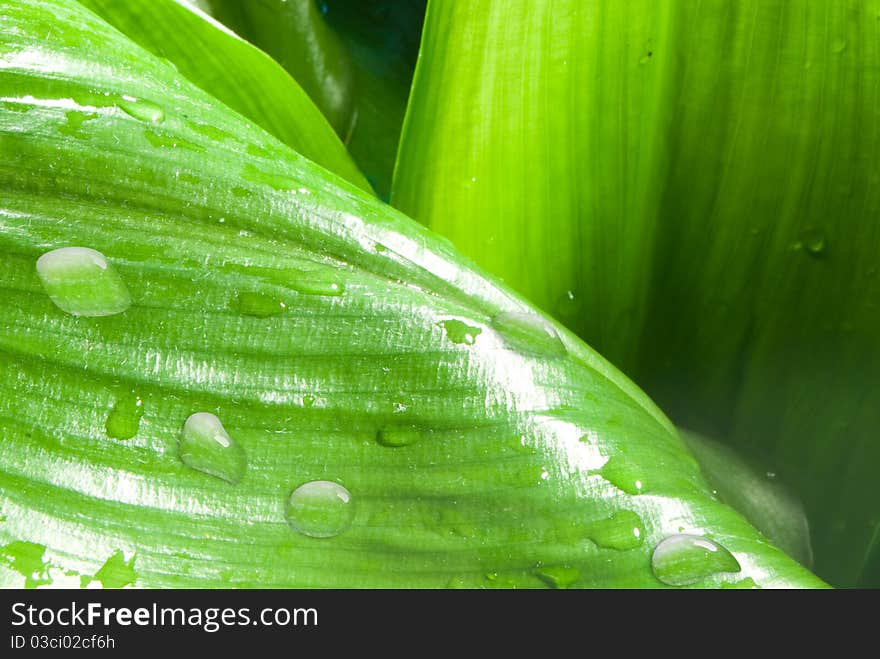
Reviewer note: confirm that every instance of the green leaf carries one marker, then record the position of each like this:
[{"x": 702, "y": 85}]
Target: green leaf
[
  {"x": 500, "y": 482},
  {"x": 527, "y": 122},
  {"x": 295, "y": 34},
  {"x": 755, "y": 493},
  {"x": 691, "y": 186},
  {"x": 383, "y": 39},
  {"x": 371, "y": 45},
  {"x": 233, "y": 71}
]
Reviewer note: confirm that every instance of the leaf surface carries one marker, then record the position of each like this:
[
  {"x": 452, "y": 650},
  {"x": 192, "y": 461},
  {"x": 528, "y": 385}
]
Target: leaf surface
[{"x": 335, "y": 340}]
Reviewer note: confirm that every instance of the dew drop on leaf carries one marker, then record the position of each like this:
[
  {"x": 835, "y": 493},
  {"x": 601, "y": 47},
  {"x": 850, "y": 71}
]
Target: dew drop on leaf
[
  {"x": 141, "y": 109},
  {"x": 206, "y": 446},
  {"x": 320, "y": 509},
  {"x": 125, "y": 416},
  {"x": 529, "y": 333},
  {"x": 82, "y": 282},
  {"x": 459, "y": 332},
  {"x": 623, "y": 530},
  {"x": 558, "y": 576},
  {"x": 397, "y": 436},
  {"x": 683, "y": 559}
]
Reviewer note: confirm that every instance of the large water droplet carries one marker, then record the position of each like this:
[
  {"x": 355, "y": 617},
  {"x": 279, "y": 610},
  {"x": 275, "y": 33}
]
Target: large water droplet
[
  {"x": 529, "y": 333},
  {"x": 558, "y": 576},
  {"x": 258, "y": 305},
  {"x": 81, "y": 282},
  {"x": 141, "y": 109},
  {"x": 125, "y": 417},
  {"x": 206, "y": 446},
  {"x": 459, "y": 332},
  {"x": 621, "y": 473},
  {"x": 683, "y": 559},
  {"x": 623, "y": 530},
  {"x": 320, "y": 509}
]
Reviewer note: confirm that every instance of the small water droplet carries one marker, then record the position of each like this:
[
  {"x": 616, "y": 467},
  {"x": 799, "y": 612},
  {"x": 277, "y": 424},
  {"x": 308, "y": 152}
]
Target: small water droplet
[
  {"x": 82, "y": 282},
  {"x": 125, "y": 416},
  {"x": 684, "y": 559},
  {"x": 623, "y": 530},
  {"x": 320, "y": 509},
  {"x": 308, "y": 400},
  {"x": 208, "y": 130},
  {"x": 116, "y": 571},
  {"x": 397, "y": 436},
  {"x": 238, "y": 191},
  {"x": 529, "y": 333},
  {"x": 171, "y": 141},
  {"x": 316, "y": 286},
  {"x": 623, "y": 475},
  {"x": 273, "y": 180},
  {"x": 459, "y": 332},
  {"x": 558, "y": 576},
  {"x": 141, "y": 109},
  {"x": 838, "y": 45},
  {"x": 743, "y": 584},
  {"x": 75, "y": 120},
  {"x": 206, "y": 446},
  {"x": 813, "y": 241},
  {"x": 258, "y": 305},
  {"x": 28, "y": 559}
]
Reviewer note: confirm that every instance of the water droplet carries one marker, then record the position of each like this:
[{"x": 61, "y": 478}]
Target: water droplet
[
  {"x": 116, "y": 571},
  {"x": 28, "y": 559},
  {"x": 558, "y": 576},
  {"x": 81, "y": 282},
  {"x": 838, "y": 45},
  {"x": 529, "y": 333},
  {"x": 491, "y": 576},
  {"x": 646, "y": 58},
  {"x": 171, "y": 141},
  {"x": 623, "y": 475},
  {"x": 258, "y": 304},
  {"x": 683, "y": 559},
  {"x": 396, "y": 436},
  {"x": 743, "y": 584},
  {"x": 316, "y": 286},
  {"x": 274, "y": 181},
  {"x": 206, "y": 446},
  {"x": 623, "y": 530},
  {"x": 141, "y": 110},
  {"x": 75, "y": 120},
  {"x": 813, "y": 240},
  {"x": 308, "y": 400},
  {"x": 238, "y": 191},
  {"x": 208, "y": 130},
  {"x": 459, "y": 332},
  {"x": 125, "y": 417},
  {"x": 320, "y": 509}
]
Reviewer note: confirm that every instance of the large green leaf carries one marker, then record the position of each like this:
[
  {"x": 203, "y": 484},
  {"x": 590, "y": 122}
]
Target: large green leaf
[
  {"x": 527, "y": 121},
  {"x": 334, "y": 338},
  {"x": 692, "y": 186},
  {"x": 233, "y": 71}
]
